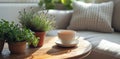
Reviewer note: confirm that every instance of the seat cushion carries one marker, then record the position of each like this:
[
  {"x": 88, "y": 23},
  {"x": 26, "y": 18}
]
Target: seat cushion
[
  {"x": 105, "y": 43},
  {"x": 116, "y": 13}
]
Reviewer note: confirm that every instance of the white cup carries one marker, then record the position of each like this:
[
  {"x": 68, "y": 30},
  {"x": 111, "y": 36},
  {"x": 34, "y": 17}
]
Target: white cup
[{"x": 66, "y": 36}]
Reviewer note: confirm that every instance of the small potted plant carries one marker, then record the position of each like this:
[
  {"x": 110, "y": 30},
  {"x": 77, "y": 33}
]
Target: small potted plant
[
  {"x": 39, "y": 23},
  {"x": 17, "y": 38}
]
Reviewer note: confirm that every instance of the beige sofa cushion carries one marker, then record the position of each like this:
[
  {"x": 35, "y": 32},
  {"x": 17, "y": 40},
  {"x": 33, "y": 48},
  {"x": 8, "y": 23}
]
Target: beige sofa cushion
[
  {"x": 95, "y": 17},
  {"x": 116, "y": 14}
]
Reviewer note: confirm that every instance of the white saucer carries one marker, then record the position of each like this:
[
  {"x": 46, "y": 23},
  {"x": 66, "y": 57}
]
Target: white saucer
[{"x": 72, "y": 44}]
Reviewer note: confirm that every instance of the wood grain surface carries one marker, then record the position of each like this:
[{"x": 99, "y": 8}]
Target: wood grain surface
[{"x": 50, "y": 51}]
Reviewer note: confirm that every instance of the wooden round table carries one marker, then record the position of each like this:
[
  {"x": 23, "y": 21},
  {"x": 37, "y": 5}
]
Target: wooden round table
[{"x": 51, "y": 51}]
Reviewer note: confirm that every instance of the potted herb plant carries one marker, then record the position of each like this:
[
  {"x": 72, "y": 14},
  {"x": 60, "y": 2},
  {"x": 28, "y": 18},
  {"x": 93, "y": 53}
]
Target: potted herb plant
[
  {"x": 17, "y": 38},
  {"x": 39, "y": 23}
]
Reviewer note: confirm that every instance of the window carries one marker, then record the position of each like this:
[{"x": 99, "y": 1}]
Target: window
[{"x": 19, "y": 1}]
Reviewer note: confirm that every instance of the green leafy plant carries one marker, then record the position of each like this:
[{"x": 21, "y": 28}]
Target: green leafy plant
[
  {"x": 1, "y": 31},
  {"x": 50, "y": 4},
  {"x": 38, "y": 22},
  {"x": 14, "y": 33},
  {"x": 25, "y": 17},
  {"x": 4, "y": 28}
]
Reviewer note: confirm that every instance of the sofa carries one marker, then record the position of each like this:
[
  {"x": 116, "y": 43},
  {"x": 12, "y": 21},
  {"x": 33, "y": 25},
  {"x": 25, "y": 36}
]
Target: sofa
[{"x": 106, "y": 43}]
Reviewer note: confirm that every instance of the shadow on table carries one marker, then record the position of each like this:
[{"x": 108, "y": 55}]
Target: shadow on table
[{"x": 57, "y": 50}]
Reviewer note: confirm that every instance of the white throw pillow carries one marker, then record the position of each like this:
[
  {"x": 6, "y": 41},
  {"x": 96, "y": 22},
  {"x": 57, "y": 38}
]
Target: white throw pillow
[
  {"x": 116, "y": 14},
  {"x": 95, "y": 17}
]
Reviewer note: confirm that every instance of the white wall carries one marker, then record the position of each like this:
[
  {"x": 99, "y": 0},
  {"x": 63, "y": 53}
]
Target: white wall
[{"x": 9, "y": 11}]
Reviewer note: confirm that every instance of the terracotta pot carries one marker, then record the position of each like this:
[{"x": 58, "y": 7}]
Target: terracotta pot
[
  {"x": 1, "y": 45},
  {"x": 41, "y": 35},
  {"x": 17, "y": 48}
]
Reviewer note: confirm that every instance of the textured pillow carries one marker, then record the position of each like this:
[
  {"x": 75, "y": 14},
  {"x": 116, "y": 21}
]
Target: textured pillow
[
  {"x": 95, "y": 17},
  {"x": 116, "y": 14}
]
